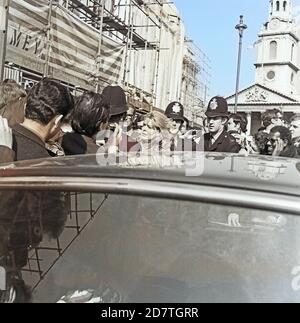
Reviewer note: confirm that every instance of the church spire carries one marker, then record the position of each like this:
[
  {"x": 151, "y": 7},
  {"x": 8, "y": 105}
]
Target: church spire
[{"x": 281, "y": 9}]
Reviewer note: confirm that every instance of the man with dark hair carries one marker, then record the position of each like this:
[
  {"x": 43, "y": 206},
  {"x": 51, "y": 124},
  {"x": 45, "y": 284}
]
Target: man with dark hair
[
  {"x": 237, "y": 127},
  {"x": 295, "y": 131},
  {"x": 272, "y": 118},
  {"x": 218, "y": 140},
  {"x": 41, "y": 212},
  {"x": 48, "y": 102},
  {"x": 90, "y": 116},
  {"x": 236, "y": 124},
  {"x": 280, "y": 143}
]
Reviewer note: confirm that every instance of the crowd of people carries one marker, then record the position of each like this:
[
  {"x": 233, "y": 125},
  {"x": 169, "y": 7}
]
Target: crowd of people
[{"x": 49, "y": 121}]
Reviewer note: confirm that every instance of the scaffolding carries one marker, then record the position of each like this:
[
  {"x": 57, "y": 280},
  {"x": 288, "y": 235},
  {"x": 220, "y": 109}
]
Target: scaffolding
[
  {"x": 117, "y": 20},
  {"x": 148, "y": 66},
  {"x": 195, "y": 81}
]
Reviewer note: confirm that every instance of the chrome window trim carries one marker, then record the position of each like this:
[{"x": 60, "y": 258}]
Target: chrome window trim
[{"x": 160, "y": 189}]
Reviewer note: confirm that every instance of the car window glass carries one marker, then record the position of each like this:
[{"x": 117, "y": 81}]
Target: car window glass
[{"x": 91, "y": 247}]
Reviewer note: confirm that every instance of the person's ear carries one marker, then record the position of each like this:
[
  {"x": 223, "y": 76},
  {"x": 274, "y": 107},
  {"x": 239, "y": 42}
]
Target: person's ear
[
  {"x": 224, "y": 121},
  {"x": 58, "y": 120}
]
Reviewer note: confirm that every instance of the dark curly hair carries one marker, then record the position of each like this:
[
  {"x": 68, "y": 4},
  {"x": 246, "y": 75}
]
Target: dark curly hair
[
  {"x": 48, "y": 99},
  {"x": 240, "y": 119},
  {"x": 262, "y": 139},
  {"x": 284, "y": 132},
  {"x": 268, "y": 116}
]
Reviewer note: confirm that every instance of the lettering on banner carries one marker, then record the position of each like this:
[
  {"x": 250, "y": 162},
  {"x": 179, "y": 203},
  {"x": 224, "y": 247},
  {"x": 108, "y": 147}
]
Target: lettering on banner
[{"x": 25, "y": 42}]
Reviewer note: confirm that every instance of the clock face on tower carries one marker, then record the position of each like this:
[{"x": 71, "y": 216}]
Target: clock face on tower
[{"x": 274, "y": 24}]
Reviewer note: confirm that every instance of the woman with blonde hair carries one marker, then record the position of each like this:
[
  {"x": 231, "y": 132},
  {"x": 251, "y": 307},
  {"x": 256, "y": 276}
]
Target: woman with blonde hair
[
  {"x": 155, "y": 133},
  {"x": 155, "y": 143}
]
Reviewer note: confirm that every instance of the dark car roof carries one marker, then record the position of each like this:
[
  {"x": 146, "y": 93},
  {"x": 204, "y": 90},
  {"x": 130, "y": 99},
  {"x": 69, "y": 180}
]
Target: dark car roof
[{"x": 278, "y": 175}]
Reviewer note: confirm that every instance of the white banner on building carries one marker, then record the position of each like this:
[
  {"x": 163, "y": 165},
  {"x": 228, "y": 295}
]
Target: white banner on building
[
  {"x": 74, "y": 45},
  {"x": 2, "y": 16}
]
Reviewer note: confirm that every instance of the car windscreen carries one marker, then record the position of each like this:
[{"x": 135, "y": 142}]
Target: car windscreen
[{"x": 92, "y": 247}]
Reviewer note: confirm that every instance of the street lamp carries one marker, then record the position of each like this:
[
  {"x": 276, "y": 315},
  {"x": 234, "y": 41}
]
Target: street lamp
[{"x": 240, "y": 27}]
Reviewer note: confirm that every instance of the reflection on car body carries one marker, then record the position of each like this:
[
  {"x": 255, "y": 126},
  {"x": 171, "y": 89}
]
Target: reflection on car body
[
  {"x": 151, "y": 235},
  {"x": 250, "y": 224}
]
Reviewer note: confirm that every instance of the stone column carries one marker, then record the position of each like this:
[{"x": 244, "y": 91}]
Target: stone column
[{"x": 249, "y": 119}]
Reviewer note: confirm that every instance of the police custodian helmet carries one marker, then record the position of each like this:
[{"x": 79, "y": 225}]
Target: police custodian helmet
[
  {"x": 217, "y": 107},
  {"x": 175, "y": 111}
]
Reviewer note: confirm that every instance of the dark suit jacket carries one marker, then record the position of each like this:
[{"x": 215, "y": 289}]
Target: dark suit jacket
[
  {"x": 27, "y": 145},
  {"x": 224, "y": 144},
  {"x": 290, "y": 152},
  {"x": 76, "y": 144},
  {"x": 6, "y": 154}
]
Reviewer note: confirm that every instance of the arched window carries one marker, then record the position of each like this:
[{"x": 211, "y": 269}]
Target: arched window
[
  {"x": 273, "y": 50},
  {"x": 277, "y": 6},
  {"x": 284, "y": 5}
]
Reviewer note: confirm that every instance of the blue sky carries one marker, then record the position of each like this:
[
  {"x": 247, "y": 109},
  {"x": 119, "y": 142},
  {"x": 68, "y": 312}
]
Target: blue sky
[{"x": 210, "y": 23}]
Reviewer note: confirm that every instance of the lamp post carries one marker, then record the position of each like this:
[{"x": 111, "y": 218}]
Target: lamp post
[
  {"x": 240, "y": 27},
  {"x": 4, "y": 7}
]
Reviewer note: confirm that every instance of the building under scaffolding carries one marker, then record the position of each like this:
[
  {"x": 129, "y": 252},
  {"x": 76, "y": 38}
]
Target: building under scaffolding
[
  {"x": 195, "y": 82},
  {"x": 89, "y": 44}
]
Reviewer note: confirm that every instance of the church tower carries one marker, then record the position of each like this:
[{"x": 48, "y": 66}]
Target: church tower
[
  {"x": 281, "y": 9},
  {"x": 277, "y": 62}
]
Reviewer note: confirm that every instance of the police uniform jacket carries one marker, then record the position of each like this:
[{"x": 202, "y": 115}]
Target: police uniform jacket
[
  {"x": 186, "y": 145},
  {"x": 224, "y": 144}
]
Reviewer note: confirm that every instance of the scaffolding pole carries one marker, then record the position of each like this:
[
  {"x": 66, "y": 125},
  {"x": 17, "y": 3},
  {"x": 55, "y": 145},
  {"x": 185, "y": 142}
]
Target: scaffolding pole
[
  {"x": 132, "y": 23},
  {"x": 48, "y": 47},
  {"x": 128, "y": 43},
  {"x": 4, "y": 12},
  {"x": 98, "y": 58},
  {"x": 158, "y": 59}
]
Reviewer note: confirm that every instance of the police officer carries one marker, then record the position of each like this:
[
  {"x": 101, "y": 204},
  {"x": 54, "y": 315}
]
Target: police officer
[
  {"x": 175, "y": 112},
  {"x": 217, "y": 139},
  {"x": 180, "y": 143}
]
